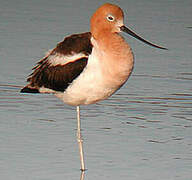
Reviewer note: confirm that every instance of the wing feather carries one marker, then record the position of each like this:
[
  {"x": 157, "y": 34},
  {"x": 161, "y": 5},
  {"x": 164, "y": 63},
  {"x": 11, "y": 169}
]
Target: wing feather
[{"x": 62, "y": 65}]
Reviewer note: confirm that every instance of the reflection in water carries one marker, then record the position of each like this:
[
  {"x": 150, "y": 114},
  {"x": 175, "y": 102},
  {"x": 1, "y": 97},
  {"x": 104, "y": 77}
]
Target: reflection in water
[{"x": 82, "y": 175}]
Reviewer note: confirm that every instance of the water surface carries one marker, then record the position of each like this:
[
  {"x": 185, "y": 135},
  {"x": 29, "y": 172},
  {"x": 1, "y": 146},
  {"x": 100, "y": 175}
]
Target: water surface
[{"x": 142, "y": 132}]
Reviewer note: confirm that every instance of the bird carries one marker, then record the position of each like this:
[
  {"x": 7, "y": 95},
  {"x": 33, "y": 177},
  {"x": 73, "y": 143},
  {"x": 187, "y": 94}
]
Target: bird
[{"x": 87, "y": 67}]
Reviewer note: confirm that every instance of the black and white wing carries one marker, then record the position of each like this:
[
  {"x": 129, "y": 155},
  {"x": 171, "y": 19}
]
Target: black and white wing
[{"x": 57, "y": 70}]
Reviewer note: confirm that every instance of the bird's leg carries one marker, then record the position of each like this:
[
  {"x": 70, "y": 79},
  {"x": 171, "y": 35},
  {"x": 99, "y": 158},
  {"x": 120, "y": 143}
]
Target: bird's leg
[
  {"x": 79, "y": 139},
  {"x": 82, "y": 175}
]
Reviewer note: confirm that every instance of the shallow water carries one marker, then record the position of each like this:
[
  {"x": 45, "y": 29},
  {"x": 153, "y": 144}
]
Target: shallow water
[{"x": 144, "y": 131}]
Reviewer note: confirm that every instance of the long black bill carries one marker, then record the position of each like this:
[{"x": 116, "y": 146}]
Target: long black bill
[{"x": 128, "y": 31}]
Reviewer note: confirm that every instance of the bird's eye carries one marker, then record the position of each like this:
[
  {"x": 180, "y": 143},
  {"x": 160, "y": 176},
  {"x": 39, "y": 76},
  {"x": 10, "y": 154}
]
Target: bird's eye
[{"x": 110, "y": 17}]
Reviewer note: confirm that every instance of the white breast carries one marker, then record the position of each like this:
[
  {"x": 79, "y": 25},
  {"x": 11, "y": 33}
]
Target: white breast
[
  {"x": 89, "y": 87},
  {"x": 99, "y": 79}
]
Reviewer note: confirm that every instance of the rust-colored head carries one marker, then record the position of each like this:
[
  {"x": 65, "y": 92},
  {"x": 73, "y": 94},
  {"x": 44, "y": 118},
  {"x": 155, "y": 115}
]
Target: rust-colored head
[{"x": 107, "y": 18}]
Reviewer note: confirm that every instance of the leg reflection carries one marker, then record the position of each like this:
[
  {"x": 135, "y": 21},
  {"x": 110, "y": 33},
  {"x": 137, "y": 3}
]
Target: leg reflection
[{"x": 82, "y": 175}]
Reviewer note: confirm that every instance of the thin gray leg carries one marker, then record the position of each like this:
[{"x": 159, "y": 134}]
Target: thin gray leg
[{"x": 80, "y": 140}]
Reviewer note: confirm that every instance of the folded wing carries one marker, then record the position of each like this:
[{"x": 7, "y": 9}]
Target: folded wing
[{"x": 57, "y": 70}]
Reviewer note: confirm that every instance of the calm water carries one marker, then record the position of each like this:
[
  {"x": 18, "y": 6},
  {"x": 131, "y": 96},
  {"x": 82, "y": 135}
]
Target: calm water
[{"x": 143, "y": 132}]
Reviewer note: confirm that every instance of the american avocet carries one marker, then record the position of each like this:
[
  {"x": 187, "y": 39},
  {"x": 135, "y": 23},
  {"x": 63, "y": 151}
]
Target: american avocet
[{"x": 89, "y": 67}]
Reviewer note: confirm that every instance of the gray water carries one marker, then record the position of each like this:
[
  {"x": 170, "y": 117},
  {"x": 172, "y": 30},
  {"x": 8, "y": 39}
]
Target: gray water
[{"x": 143, "y": 132}]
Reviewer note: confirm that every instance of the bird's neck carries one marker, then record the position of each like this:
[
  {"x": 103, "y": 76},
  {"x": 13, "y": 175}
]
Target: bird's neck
[{"x": 115, "y": 56}]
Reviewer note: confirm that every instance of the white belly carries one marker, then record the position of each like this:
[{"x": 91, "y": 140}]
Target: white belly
[
  {"x": 88, "y": 88},
  {"x": 97, "y": 81}
]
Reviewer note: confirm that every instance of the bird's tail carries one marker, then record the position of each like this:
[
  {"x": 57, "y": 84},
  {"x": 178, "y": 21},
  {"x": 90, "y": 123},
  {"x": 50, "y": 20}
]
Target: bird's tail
[{"x": 28, "y": 89}]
